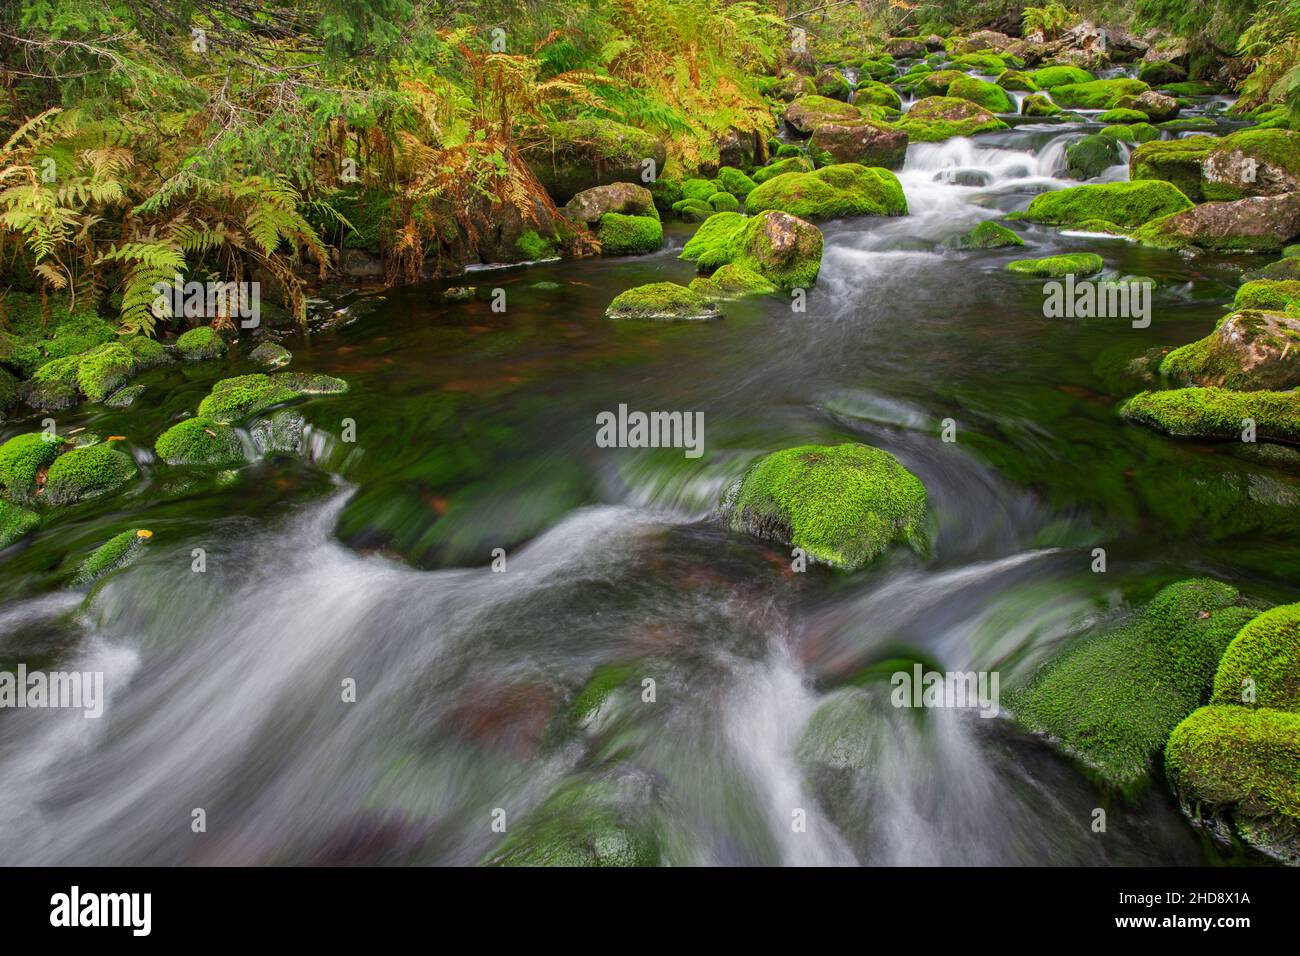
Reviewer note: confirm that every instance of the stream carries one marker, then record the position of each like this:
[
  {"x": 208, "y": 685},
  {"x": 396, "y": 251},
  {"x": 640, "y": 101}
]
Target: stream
[{"x": 371, "y": 561}]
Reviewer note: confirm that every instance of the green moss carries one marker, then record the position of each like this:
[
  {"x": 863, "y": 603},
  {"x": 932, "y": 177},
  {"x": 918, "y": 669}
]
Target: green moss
[
  {"x": 603, "y": 682},
  {"x": 784, "y": 250},
  {"x": 119, "y": 551},
  {"x": 1112, "y": 699},
  {"x": 1050, "y": 77},
  {"x": 988, "y": 63},
  {"x": 1276, "y": 148},
  {"x": 1037, "y": 104},
  {"x": 310, "y": 383},
  {"x": 271, "y": 354},
  {"x": 1217, "y": 413},
  {"x": 698, "y": 189},
  {"x": 661, "y": 300},
  {"x": 239, "y": 398},
  {"x": 1017, "y": 80},
  {"x": 732, "y": 180},
  {"x": 31, "y": 335},
  {"x": 1265, "y": 652},
  {"x": 692, "y": 210},
  {"x": 877, "y": 94},
  {"x": 732, "y": 282},
  {"x": 1092, "y": 156},
  {"x": 845, "y": 189},
  {"x": 1247, "y": 350},
  {"x": 1176, "y": 161},
  {"x": 1270, "y": 294},
  {"x": 988, "y": 95},
  {"x": 724, "y": 202},
  {"x": 87, "y": 473},
  {"x": 715, "y": 243},
  {"x": 1239, "y": 758},
  {"x": 991, "y": 235},
  {"x": 1122, "y": 116},
  {"x": 15, "y": 523},
  {"x": 1156, "y": 72},
  {"x": 148, "y": 353},
  {"x": 21, "y": 460},
  {"x": 937, "y": 118},
  {"x": 621, "y": 235},
  {"x": 793, "y": 164},
  {"x": 534, "y": 247},
  {"x": 54, "y": 385},
  {"x": 1071, "y": 263},
  {"x": 1125, "y": 204},
  {"x": 201, "y": 343},
  {"x": 938, "y": 82},
  {"x": 200, "y": 441},
  {"x": 842, "y": 504},
  {"x": 1134, "y": 133},
  {"x": 1187, "y": 88},
  {"x": 1095, "y": 94},
  {"x": 103, "y": 369}
]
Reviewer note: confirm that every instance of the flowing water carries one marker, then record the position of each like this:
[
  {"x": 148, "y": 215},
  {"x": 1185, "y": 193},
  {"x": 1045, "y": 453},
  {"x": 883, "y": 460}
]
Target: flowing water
[{"x": 371, "y": 561}]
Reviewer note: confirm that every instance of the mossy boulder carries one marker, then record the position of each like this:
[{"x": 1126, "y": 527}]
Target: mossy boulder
[
  {"x": 572, "y": 155},
  {"x": 1239, "y": 763},
  {"x": 865, "y": 142},
  {"x": 808, "y": 112},
  {"x": 989, "y": 64},
  {"x": 1282, "y": 295},
  {"x": 1050, "y": 77},
  {"x": 699, "y": 190},
  {"x": 1122, "y": 116},
  {"x": 1261, "y": 667},
  {"x": 103, "y": 369},
  {"x": 1017, "y": 80},
  {"x": 16, "y": 523},
  {"x": 116, "y": 553},
  {"x": 1071, "y": 263},
  {"x": 627, "y": 199},
  {"x": 1255, "y": 224},
  {"x": 271, "y": 354},
  {"x": 1217, "y": 413},
  {"x": 1038, "y": 104},
  {"x": 791, "y": 164},
  {"x": 23, "y": 459},
  {"x": 1125, "y": 204},
  {"x": 88, "y": 472},
  {"x": 1156, "y": 107},
  {"x": 714, "y": 243},
  {"x": 35, "y": 332},
  {"x": 988, "y": 95},
  {"x": 990, "y": 235},
  {"x": 201, "y": 343},
  {"x": 1159, "y": 72},
  {"x": 832, "y": 85},
  {"x": 311, "y": 383},
  {"x": 1250, "y": 349},
  {"x": 1253, "y": 162},
  {"x": 692, "y": 210},
  {"x": 734, "y": 181},
  {"x": 938, "y": 82},
  {"x": 662, "y": 301},
  {"x": 732, "y": 282},
  {"x": 622, "y": 235},
  {"x": 876, "y": 93},
  {"x": 200, "y": 441},
  {"x": 845, "y": 189},
  {"x": 605, "y": 821},
  {"x": 783, "y": 250},
  {"x": 842, "y": 504},
  {"x": 1092, "y": 156},
  {"x": 937, "y": 118},
  {"x": 1176, "y": 161},
  {"x": 53, "y": 387},
  {"x": 1111, "y": 700},
  {"x": 1133, "y": 134},
  {"x": 1094, "y": 94},
  {"x": 235, "y": 399}
]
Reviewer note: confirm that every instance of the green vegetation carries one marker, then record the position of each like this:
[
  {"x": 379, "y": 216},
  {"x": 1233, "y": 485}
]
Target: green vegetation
[
  {"x": 22, "y": 458},
  {"x": 119, "y": 551},
  {"x": 1218, "y": 413},
  {"x": 1261, "y": 667},
  {"x": 1072, "y": 263},
  {"x": 842, "y": 504},
  {"x": 200, "y": 441},
  {"x": 845, "y": 189},
  {"x": 87, "y": 473},
  {"x": 1125, "y": 204},
  {"x": 660, "y": 300}
]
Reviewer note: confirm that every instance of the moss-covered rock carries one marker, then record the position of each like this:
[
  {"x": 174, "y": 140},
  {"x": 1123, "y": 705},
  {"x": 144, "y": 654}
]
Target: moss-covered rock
[
  {"x": 866, "y": 143},
  {"x": 1254, "y": 224},
  {"x": 1017, "y": 80},
  {"x": 784, "y": 249},
  {"x": 846, "y": 189},
  {"x": 35, "y": 332},
  {"x": 1111, "y": 700},
  {"x": 876, "y": 93},
  {"x": 715, "y": 242},
  {"x": 1241, "y": 762},
  {"x": 1248, "y": 350},
  {"x": 1261, "y": 667},
  {"x": 732, "y": 282},
  {"x": 1125, "y": 204},
  {"x": 148, "y": 353},
  {"x": 311, "y": 383},
  {"x": 662, "y": 301},
  {"x": 1038, "y": 104},
  {"x": 200, "y": 441},
  {"x": 1050, "y": 77},
  {"x": 201, "y": 343},
  {"x": 628, "y": 199},
  {"x": 735, "y": 181},
  {"x": 53, "y": 386},
  {"x": 103, "y": 369},
  {"x": 988, "y": 95},
  {"x": 1070, "y": 263},
  {"x": 842, "y": 504},
  {"x": 271, "y": 354},
  {"x": 937, "y": 82},
  {"x": 724, "y": 202},
  {"x": 808, "y": 112},
  {"x": 1094, "y": 94},
  {"x": 791, "y": 164},
  {"x": 1217, "y": 413},
  {"x": 692, "y": 210},
  {"x": 1176, "y": 161},
  {"x": 88, "y": 472},
  {"x": 1134, "y": 133},
  {"x": 832, "y": 84},
  {"x": 116, "y": 553},
  {"x": 1157, "y": 72},
  {"x": 22, "y": 460},
  {"x": 1092, "y": 156},
  {"x": 572, "y": 155},
  {"x": 698, "y": 189},
  {"x": 1156, "y": 107},
  {"x": 1253, "y": 162},
  {"x": 622, "y": 235},
  {"x": 990, "y": 64},
  {"x": 1123, "y": 116},
  {"x": 937, "y": 118},
  {"x": 16, "y": 523},
  {"x": 235, "y": 399},
  {"x": 990, "y": 235}
]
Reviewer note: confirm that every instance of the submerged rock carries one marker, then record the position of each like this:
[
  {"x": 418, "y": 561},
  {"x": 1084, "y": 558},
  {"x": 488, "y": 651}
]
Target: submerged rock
[
  {"x": 842, "y": 504},
  {"x": 1071, "y": 263},
  {"x": 271, "y": 354},
  {"x": 662, "y": 301},
  {"x": 116, "y": 553}
]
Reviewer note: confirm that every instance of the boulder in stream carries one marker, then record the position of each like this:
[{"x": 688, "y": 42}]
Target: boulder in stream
[
  {"x": 200, "y": 441},
  {"x": 937, "y": 118},
  {"x": 662, "y": 301},
  {"x": 1124, "y": 204},
  {"x": 1219, "y": 413},
  {"x": 864, "y": 142},
  {"x": 1250, "y": 349},
  {"x": 845, "y": 189},
  {"x": 1254, "y": 224}
]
